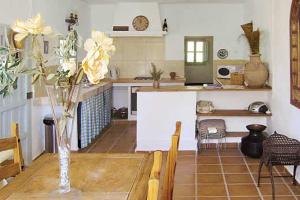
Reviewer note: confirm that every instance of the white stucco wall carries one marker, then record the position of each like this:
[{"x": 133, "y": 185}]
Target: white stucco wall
[
  {"x": 286, "y": 116},
  {"x": 274, "y": 17},
  {"x": 221, "y": 20},
  {"x": 54, "y": 13}
]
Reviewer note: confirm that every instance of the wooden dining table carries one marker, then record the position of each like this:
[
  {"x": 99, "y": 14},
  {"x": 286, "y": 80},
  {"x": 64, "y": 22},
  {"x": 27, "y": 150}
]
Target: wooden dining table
[{"x": 100, "y": 176}]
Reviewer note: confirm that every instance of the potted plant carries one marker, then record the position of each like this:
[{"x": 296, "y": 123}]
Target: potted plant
[
  {"x": 256, "y": 73},
  {"x": 156, "y": 75}
]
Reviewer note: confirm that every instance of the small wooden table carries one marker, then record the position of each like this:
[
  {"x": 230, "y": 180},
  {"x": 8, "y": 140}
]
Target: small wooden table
[{"x": 94, "y": 176}]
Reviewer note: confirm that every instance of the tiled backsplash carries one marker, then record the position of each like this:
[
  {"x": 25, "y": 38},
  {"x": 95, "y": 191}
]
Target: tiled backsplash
[{"x": 134, "y": 56}]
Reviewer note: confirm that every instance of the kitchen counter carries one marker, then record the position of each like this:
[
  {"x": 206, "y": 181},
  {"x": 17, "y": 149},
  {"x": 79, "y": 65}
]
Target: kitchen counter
[
  {"x": 178, "y": 103},
  {"x": 131, "y": 80},
  {"x": 180, "y": 88},
  {"x": 87, "y": 92}
]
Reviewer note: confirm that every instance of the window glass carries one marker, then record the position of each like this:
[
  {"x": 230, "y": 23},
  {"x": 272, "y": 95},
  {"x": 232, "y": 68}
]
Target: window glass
[
  {"x": 190, "y": 46},
  {"x": 199, "y": 46},
  {"x": 195, "y": 51},
  {"x": 190, "y": 57},
  {"x": 199, "y": 57}
]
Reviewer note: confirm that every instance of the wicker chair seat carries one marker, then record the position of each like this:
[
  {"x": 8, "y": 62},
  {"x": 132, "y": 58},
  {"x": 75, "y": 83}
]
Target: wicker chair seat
[{"x": 279, "y": 150}]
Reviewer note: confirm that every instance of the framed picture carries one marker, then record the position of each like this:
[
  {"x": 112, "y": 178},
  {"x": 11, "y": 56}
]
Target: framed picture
[{"x": 294, "y": 53}]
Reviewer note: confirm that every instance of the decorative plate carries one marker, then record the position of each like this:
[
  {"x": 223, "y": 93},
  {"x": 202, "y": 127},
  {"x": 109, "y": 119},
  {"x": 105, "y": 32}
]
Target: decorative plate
[
  {"x": 140, "y": 23},
  {"x": 222, "y": 53}
]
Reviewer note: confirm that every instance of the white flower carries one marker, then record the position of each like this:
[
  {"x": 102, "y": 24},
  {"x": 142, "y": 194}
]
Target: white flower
[
  {"x": 69, "y": 65},
  {"x": 96, "y": 61},
  {"x": 32, "y": 26}
]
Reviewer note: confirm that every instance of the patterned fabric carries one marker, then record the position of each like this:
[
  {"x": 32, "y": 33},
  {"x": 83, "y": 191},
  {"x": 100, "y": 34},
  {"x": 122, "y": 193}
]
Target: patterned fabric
[{"x": 95, "y": 115}]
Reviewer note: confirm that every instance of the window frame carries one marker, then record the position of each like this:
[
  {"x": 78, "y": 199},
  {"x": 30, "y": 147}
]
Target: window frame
[{"x": 205, "y": 52}]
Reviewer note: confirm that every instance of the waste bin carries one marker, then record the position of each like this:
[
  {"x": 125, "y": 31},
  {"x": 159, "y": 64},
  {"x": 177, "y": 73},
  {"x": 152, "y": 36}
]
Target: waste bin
[{"x": 50, "y": 136}]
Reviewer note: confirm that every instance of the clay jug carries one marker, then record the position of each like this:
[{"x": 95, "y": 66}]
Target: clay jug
[{"x": 256, "y": 73}]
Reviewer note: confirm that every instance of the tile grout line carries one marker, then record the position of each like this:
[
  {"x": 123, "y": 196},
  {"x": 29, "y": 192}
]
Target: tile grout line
[
  {"x": 293, "y": 194},
  {"x": 223, "y": 175},
  {"x": 252, "y": 177}
]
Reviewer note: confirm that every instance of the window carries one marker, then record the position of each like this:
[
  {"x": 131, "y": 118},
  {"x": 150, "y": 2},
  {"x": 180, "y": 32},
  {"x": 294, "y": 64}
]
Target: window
[{"x": 195, "y": 51}]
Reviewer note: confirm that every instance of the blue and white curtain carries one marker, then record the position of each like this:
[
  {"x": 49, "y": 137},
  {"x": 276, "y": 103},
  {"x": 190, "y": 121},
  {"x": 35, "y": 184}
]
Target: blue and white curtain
[{"x": 94, "y": 114}]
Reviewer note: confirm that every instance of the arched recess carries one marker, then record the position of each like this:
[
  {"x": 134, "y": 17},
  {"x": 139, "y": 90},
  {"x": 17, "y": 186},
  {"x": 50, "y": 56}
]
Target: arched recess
[{"x": 295, "y": 52}]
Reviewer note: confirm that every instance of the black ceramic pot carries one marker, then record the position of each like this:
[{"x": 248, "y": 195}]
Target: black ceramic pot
[{"x": 252, "y": 143}]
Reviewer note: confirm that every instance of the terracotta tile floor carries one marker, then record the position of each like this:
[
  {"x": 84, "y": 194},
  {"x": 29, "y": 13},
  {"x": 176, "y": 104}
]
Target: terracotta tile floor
[
  {"x": 206, "y": 175},
  {"x": 226, "y": 174}
]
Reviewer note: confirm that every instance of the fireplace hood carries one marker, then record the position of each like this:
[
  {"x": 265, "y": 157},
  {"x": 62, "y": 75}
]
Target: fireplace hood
[{"x": 126, "y": 12}]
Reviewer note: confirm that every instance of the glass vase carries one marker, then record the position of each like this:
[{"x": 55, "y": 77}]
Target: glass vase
[{"x": 64, "y": 101}]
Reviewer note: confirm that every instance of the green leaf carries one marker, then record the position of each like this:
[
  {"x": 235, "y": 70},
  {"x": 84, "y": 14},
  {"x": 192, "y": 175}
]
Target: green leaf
[
  {"x": 15, "y": 84},
  {"x": 29, "y": 71},
  {"x": 35, "y": 78}
]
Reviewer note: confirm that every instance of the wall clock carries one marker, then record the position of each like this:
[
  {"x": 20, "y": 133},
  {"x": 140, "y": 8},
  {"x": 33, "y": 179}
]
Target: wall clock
[
  {"x": 222, "y": 53},
  {"x": 140, "y": 23}
]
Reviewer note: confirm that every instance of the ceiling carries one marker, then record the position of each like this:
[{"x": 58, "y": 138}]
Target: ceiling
[{"x": 165, "y": 1}]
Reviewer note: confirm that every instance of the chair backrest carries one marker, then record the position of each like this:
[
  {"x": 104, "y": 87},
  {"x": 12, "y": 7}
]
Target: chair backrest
[
  {"x": 178, "y": 128},
  {"x": 157, "y": 162},
  {"x": 170, "y": 169},
  {"x": 14, "y": 168},
  {"x": 178, "y": 131},
  {"x": 153, "y": 187}
]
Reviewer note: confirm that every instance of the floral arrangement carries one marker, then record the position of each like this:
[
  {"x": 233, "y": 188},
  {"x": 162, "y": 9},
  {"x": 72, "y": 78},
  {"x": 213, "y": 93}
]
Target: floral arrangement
[
  {"x": 99, "y": 48},
  {"x": 253, "y": 37},
  {"x": 63, "y": 86}
]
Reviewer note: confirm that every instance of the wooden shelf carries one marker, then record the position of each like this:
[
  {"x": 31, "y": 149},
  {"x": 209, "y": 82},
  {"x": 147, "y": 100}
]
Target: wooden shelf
[
  {"x": 236, "y": 134},
  {"x": 238, "y": 113}
]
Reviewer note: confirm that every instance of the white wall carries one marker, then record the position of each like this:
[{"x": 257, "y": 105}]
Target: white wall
[
  {"x": 102, "y": 16},
  {"x": 285, "y": 117},
  {"x": 156, "y": 119},
  {"x": 54, "y": 13},
  {"x": 204, "y": 19},
  {"x": 12, "y": 9},
  {"x": 201, "y": 19},
  {"x": 260, "y": 13}
]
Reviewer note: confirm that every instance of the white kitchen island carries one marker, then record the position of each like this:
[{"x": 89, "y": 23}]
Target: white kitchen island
[{"x": 159, "y": 109}]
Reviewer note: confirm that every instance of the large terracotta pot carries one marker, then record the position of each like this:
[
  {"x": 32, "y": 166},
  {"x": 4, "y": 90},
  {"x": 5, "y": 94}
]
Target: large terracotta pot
[{"x": 256, "y": 73}]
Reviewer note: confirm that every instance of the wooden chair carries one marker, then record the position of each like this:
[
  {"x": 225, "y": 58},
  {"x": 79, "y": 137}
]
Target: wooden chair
[
  {"x": 178, "y": 128},
  {"x": 168, "y": 184},
  {"x": 153, "y": 187},
  {"x": 178, "y": 131},
  {"x": 13, "y": 143},
  {"x": 155, "y": 172},
  {"x": 153, "y": 183}
]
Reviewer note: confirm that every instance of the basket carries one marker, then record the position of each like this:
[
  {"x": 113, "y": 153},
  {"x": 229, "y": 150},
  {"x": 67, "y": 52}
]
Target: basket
[{"x": 237, "y": 78}]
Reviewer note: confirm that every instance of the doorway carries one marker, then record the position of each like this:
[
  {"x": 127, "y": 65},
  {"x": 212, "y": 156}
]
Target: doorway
[
  {"x": 16, "y": 107},
  {"x": 198, "y": 56}
]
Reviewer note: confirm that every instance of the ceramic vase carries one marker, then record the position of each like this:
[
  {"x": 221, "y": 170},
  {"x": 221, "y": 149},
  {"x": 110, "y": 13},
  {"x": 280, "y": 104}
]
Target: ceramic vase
[
  {"x": 156, "y": 84},
  {"x": 252, "y": 144},
  {"x": 64, "y": 101},
  {"x": 256, "y": 73}
]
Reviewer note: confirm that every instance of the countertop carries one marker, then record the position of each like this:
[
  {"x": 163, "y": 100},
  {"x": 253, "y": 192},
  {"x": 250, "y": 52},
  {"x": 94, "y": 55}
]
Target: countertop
[
  {"x": 131, "y": 80},
  {"x": 87, "y": 92},
  {"x": 199, "y": 89}
]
